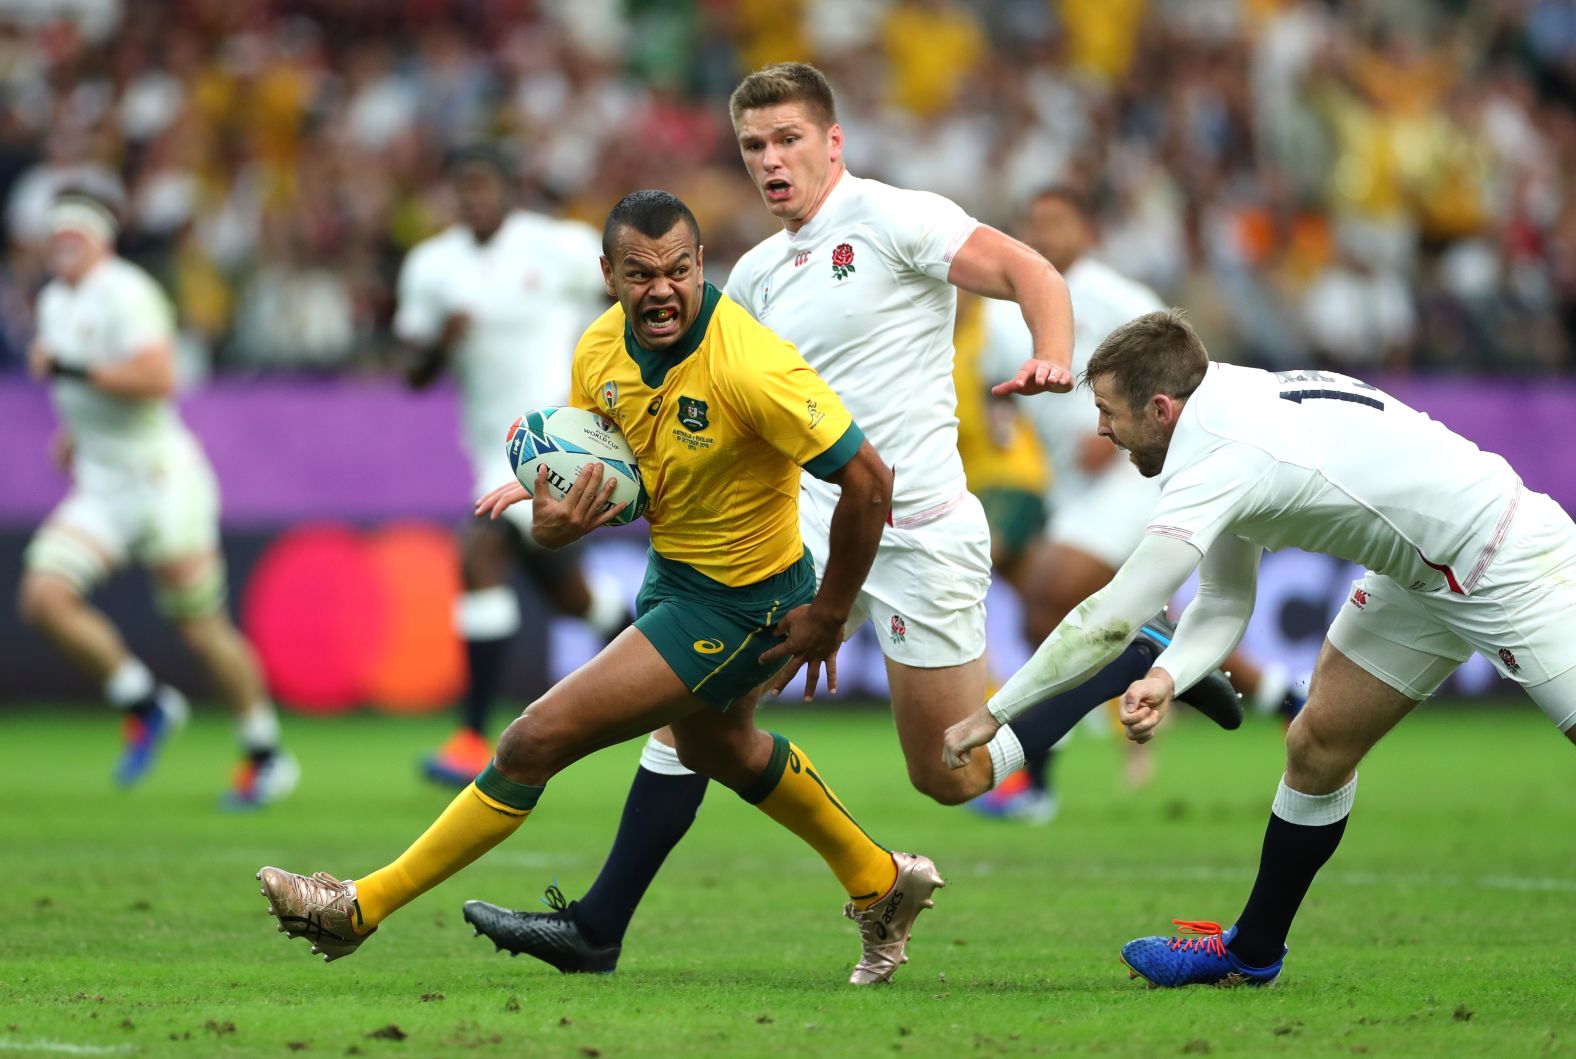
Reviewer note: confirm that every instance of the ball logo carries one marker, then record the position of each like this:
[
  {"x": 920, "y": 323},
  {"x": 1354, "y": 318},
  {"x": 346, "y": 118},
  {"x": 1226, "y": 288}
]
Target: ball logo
[
  {"x": 708, "y": 647},
  {"x": 842, "y": 261}
]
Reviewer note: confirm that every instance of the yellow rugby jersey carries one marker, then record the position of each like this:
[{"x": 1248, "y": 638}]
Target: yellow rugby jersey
[
  {"x": 996, "y": 442},
  {"x": 720, "y": 423}
]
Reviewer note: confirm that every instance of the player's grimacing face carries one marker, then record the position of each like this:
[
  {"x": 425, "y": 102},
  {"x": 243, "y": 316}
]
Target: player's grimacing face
[
  {"x": 658, "y": 281},
  {"x": 792, "y": 158},
  {"x": 1137, "y": 430}
]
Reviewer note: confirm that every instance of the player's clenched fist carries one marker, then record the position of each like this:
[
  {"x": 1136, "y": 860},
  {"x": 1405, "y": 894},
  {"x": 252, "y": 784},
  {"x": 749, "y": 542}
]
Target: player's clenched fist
[
  {"x": 1144, "y": 704},
  {"x": 976, "y": 729}
]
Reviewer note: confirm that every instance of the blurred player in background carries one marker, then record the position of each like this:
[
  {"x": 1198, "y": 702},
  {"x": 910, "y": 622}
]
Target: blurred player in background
[
  {"x": 501, "y": 297},
  {"x": 141, "y": 490},
  {"x": 1098, "y": 502},
  {"x": 863, "y": 280},
  {"x": 1460, "y": 557},
  {"x": 721, "y": 414}
]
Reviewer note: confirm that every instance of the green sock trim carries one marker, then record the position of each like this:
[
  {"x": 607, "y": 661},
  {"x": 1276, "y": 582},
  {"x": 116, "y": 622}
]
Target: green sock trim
[
  {"x": 501, "y": 788},
  {"x": 756, "y": 792}
]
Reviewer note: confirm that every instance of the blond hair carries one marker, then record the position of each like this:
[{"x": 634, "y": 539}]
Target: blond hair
[{"x": 781, "y": 83}]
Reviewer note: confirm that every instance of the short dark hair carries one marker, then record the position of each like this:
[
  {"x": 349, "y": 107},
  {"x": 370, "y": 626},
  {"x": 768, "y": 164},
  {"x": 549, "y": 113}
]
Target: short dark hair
[
  {"x": 785, "y": 83},
  {"x": 1075, "y": 197},
  {"x": 491, "y": 155},
  {"x": 1158, "y": 352},
  {"x": 650, "y": 212}
]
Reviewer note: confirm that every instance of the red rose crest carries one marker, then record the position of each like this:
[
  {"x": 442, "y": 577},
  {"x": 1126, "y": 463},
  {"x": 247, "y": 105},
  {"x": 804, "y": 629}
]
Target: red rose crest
[
  {"x": 842, "y": 260},
  {"x": 1359, "y": 598}
]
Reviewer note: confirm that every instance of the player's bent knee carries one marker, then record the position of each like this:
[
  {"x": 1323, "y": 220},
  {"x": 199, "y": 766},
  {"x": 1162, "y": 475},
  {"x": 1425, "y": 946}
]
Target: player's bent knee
[
  {"x": 43, "y": 597},
  {"x": 948, "y": 786},
  {"x": 1316, "y": 760}
]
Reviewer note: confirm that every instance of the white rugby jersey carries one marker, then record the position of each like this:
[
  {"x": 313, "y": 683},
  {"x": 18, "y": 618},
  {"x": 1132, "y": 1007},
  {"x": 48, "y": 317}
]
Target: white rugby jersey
[
  {"x": 1103, "y": 299},
  {"x": 529, "y": 291},
  {"x": 113, "y": 313},
  {"x": 862, "y": 291},
  {"x": 1323, "y": 462}
]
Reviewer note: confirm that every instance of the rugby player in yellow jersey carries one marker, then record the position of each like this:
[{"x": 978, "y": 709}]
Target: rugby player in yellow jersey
[{"x": 722, "y": 415}]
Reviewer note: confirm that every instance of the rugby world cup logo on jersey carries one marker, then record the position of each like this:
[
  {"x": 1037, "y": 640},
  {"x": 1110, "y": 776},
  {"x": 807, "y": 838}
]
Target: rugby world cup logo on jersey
[
  {"x": 610, "y": 397},
  {"x": 692, "y": 414},
  {"x": 842, "y": 260}
]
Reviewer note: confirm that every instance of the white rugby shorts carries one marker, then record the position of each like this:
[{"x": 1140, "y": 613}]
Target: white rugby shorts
[
  {"x": 925, "y": 594},
  {"x": 113, "y": 514},
  {"x": 1106, "y": 519},
  {"x": 1519, "y": 616}
]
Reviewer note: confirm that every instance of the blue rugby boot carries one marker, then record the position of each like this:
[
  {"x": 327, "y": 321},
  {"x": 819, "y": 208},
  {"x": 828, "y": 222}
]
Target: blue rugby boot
[
  {"x": 1198, "y": 957},
  {"x": 1213, "y": 696},
  {"x": 144, "y": 736}
]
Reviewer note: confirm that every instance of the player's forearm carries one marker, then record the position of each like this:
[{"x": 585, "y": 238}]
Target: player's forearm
[
  {"x": 1213, "y": 624},
  {"x": 147, "y": 375},
  {"x": 1100, "y": 628},
  {"x": 423, "y": 364},
  {"x": 1042, "y": 296},
  {"x": 858, "y": 521}
]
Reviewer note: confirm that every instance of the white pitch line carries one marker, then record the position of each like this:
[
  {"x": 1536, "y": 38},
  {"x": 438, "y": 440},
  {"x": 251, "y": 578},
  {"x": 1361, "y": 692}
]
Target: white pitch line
[
  {"x": 1419, "y": 880},
  {"x": 8, "y": 1044}
]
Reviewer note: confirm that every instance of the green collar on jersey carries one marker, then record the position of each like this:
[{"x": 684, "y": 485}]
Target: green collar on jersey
[{"x": 655, "y": 364}]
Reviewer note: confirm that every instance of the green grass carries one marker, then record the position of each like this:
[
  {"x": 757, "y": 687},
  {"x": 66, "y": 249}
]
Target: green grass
[{"x": 132, "y": 923}]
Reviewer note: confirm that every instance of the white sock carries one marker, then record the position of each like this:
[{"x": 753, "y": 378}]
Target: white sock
[
  {"x": 1006, "y": 754},
  {"x": 656, "y": 756},
  {"x": 258, "y": 728},
  {"x": 1313, "y": 810},
  {"x": 1274, "y": 683},
  {"x": 487, "y": 613},
  {"x": 131, "y": 683},
  {"x": 608, "y": 611}
]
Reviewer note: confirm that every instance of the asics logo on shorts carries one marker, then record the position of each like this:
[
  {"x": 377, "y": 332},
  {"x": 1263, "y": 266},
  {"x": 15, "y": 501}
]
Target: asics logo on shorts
[{"x": 708, "y": 647}]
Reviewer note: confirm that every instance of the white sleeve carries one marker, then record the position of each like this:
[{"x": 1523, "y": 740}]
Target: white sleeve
[
  {"x": 1100, "y": 628},
  {"x": 419, "y": 316},
  {"x": 1203, "y": 499},
  {"x": 739, "y": 288},
  {"x": 1213, "y": 624},
  {"x": 924, "y": 231},
  {"x": 143, "y": 316}
]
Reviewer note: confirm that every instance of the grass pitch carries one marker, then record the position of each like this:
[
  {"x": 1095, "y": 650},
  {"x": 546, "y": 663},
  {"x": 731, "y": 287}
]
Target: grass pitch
[{"x": 1442, "y": 927}]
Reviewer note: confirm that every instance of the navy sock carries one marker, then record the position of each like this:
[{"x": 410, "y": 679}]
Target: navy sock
[
  {"x": 1038, "y": 766},
  {"x": 657, "y": 813},
  {"x": 1043, "y": 725},
  {"x": 486, "y": 658},
  {"x": 1292, "y": 855}
]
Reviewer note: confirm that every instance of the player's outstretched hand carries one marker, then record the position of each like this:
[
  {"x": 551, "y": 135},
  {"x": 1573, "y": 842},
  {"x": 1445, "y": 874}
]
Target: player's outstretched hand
[
  {"x": 501, "y": 499},
  {"x": 1036, "y": 376},
  {"x": 811, "y": 638},
  {"x": 977, "y": 729},
  {"x": 587, "y": 506},
  {"x": 1145, "y": 703}
]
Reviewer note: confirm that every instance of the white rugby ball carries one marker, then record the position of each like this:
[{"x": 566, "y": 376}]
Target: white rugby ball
[{"x": 564, "y": 440}]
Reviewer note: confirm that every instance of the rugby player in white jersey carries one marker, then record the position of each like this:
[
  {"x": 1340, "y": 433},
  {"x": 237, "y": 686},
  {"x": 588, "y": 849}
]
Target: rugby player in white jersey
[
  {"x": 1460, "y": 557},
  {"x": 1098, "y": 502},
  {"x": 501, "y": 297},
  {"x": 142, "y": 491},
  {"x": 862, "y": 280}
]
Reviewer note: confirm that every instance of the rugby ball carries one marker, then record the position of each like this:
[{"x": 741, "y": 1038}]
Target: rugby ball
[{"x": 566, "y": 439}]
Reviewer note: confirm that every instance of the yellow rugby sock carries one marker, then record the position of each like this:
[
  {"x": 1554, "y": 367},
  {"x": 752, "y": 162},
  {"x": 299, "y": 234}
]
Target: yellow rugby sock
[
  {"x": 791, "y": 793},
  {"x": 481, "y": 816}
]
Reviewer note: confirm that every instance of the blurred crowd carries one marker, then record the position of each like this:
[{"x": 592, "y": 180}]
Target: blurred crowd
[{"x": 1376, "y": 184}]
